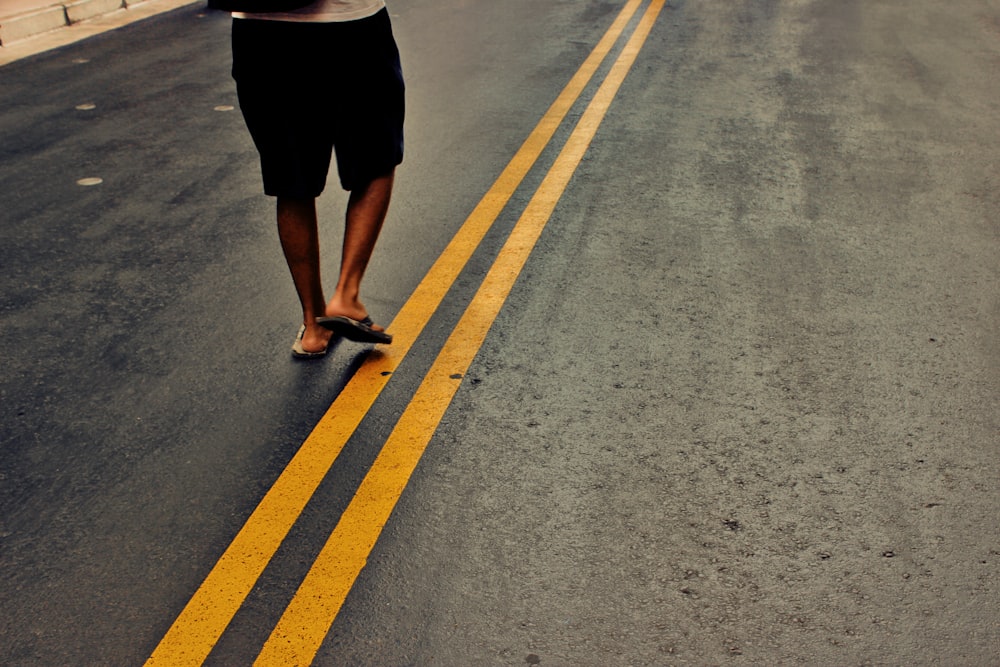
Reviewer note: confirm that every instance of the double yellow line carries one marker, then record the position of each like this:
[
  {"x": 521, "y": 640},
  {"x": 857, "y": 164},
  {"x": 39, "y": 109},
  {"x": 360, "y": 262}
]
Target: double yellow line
[{"x": 309, "y": 616}]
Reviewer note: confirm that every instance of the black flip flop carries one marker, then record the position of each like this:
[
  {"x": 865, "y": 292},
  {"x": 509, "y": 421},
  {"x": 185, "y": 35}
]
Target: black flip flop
[{"x": 360, "y": 331}]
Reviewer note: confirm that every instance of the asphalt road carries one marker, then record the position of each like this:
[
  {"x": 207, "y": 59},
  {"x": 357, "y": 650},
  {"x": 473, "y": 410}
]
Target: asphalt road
[{"x": 739, "y": 407}]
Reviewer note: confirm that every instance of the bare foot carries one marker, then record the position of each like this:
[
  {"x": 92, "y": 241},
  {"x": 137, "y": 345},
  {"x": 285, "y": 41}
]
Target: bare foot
[
  {"x": 315, "y": 338},
  {"x": 355, "y": 310}
]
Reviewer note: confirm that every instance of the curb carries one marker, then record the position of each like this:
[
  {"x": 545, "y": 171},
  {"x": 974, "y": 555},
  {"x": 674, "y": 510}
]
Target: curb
[{"x": 39, "y": 21}]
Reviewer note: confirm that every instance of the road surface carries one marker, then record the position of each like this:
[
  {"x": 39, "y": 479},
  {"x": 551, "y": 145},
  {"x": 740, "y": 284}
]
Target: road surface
[{"x": 696, "y": 359}]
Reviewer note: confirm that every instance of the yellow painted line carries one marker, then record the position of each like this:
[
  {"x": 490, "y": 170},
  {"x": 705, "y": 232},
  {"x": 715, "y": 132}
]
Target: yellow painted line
[
  {"x": 307, "y": 620},
  {"x": 209, "y": 611}
]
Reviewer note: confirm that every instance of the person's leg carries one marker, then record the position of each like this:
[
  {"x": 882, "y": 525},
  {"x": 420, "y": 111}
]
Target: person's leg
[
  {"x": 366, "y": 211},
  {"x": 369, "y": 143},
  {"x": 299, "y": 235}
]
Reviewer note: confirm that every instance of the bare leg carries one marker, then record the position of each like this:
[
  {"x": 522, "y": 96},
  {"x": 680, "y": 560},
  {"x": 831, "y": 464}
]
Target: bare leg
[
  {"x": 366, "y": 211},
  {"x": 299, "y": 235}
]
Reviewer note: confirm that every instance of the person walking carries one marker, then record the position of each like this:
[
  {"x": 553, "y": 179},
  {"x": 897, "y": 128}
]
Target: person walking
[{"x": 322, "y": 80}]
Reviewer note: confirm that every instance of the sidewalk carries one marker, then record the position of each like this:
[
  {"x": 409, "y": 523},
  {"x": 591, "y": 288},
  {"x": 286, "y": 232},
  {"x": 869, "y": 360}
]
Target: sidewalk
[
  {"x": 28, "y": 27},
  {"x": 22, "y": 19}
]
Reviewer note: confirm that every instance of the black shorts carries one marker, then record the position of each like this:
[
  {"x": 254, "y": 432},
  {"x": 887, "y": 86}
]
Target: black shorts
[{"x": 309, "y": 89}]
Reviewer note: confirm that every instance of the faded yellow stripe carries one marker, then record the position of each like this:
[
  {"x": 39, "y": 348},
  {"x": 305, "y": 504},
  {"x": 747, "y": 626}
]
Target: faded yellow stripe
[
  {"x": 210, "y": 610},
  {"x": 307, "y": 620}
]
